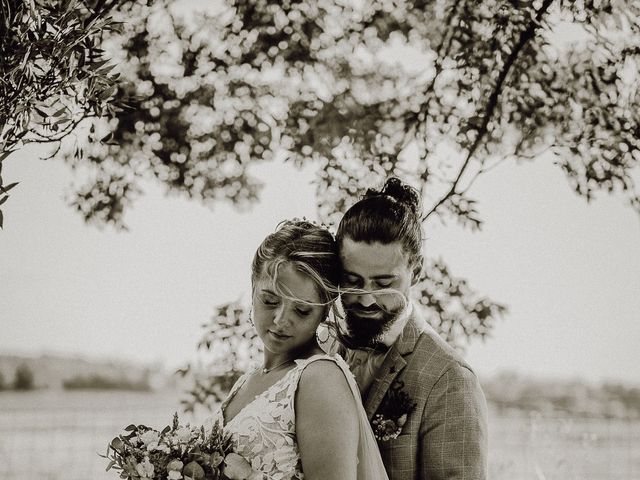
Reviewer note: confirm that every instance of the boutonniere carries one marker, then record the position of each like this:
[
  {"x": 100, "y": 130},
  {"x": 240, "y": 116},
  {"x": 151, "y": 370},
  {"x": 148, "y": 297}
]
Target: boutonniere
[{"x": 388, "y": 421}]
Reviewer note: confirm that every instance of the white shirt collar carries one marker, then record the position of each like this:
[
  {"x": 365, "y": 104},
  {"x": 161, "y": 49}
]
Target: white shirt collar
[{"x": 394, "y": 332}]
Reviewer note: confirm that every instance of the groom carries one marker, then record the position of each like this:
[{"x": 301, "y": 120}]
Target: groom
[{"x": 423, "y": 400}]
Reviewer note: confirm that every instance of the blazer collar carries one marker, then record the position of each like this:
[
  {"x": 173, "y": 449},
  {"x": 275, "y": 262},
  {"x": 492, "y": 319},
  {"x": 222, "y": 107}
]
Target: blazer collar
[{"x": 393, "y": 363}]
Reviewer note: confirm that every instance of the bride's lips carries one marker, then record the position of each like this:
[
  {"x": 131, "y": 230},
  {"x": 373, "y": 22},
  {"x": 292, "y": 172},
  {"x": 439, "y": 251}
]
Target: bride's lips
[{"x": 278, "y": 336}]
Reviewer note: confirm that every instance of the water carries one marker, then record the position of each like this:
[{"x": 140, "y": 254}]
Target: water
[{"x": 57, "y": 435}]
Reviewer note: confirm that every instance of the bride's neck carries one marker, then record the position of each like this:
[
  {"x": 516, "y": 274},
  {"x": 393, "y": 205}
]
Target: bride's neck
[{"x": 270, "y": 360}]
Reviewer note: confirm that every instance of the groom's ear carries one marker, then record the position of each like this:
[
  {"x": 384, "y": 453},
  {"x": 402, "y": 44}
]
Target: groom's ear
[{"x": 417, "y": 270}]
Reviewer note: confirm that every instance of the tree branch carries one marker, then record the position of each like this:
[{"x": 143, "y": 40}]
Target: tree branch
[{"x": 525, "y": 36}]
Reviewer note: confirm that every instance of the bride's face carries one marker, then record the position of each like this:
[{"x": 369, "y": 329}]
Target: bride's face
[{"x": 286, "y": 317}]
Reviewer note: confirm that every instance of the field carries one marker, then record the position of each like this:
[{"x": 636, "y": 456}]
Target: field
[{"x": 57, "y": 435}]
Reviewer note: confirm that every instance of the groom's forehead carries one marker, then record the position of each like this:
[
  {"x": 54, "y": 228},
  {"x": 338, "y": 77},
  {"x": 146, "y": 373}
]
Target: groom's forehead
[{"x": 374, "y": 257}]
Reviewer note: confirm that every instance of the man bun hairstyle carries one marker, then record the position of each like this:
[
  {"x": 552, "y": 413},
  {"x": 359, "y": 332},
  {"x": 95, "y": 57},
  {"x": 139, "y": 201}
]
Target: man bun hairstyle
[
  {"x": 387, "y": 215},
  {"x": 401, "y": 192}
]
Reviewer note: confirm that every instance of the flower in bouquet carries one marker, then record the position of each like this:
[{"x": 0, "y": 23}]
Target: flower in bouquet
[{"x": 178, "y": 452}]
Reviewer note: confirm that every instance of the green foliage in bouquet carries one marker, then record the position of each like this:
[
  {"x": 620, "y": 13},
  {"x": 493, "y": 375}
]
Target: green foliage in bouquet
[{"x": 177, "y": 452}]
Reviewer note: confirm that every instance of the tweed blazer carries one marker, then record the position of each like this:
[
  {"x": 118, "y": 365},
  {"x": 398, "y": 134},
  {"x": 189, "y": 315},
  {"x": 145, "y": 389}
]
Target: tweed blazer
[{"x": 445, "y": 437}]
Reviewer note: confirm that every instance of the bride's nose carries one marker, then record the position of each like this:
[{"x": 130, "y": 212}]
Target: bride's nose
[{"x": 280, "y": 316}]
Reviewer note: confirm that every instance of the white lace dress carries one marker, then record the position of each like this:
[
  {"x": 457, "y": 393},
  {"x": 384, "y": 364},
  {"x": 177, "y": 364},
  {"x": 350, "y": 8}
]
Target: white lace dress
[{"x": 264, "y": 431}]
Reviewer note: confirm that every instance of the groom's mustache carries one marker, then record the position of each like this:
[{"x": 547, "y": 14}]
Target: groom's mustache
[{"x": 362, "y": 309}]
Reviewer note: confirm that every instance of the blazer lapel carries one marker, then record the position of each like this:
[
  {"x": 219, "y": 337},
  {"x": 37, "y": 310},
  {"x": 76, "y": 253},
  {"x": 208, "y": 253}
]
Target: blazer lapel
[
  {"x": 389, "y": 370},
  {"x": 393, "y": 364}
]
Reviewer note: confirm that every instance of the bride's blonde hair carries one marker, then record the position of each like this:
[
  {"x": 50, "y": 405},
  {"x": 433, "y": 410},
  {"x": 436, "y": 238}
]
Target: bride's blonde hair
[{"x": 307, "y": 247}]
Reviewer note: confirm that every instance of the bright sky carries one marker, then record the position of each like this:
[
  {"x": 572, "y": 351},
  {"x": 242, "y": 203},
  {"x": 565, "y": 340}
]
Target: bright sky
[{"x": 570, "y": 272}]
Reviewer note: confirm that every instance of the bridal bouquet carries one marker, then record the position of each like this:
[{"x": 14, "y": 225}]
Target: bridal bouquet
[{"x": 175, "y": 453}]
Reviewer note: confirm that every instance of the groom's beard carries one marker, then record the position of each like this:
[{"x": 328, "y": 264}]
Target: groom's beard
[{"x": 366, "y": 331}]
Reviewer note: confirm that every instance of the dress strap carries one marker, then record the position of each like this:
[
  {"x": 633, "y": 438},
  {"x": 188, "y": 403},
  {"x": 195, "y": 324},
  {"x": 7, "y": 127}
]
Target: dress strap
[{"x": 234, "y": 389}]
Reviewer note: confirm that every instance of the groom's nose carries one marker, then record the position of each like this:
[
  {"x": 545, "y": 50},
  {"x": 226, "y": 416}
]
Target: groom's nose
[{"x": 366, "y": 299}]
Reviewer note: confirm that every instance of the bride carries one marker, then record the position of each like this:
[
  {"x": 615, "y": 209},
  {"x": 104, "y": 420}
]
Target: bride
[{"x": 300, "y": 414}]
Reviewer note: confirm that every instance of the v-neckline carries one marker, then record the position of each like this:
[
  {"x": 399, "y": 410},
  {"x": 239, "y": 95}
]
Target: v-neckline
[
  {"x": 224, "y": 404},
  {"x": 235, "y": 391}
]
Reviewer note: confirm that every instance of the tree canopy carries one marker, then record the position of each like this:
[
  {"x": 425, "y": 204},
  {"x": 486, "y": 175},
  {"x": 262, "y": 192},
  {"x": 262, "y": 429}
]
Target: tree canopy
[{"x": 488, "y": 81}]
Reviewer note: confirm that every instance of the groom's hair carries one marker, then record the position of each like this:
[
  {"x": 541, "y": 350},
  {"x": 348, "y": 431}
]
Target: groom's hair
[
  {"x": 387, "y": 215},
  {"x": 309, "y": 248}
]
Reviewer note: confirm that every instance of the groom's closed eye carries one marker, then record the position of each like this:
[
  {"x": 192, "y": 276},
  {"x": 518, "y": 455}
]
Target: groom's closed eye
[{"x": 351, "y": 280}]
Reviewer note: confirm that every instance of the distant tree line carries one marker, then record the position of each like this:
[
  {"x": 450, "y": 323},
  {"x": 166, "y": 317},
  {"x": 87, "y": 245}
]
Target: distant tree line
[
  {"x": 510, "y": 391},
  {"x": 101, "y": 382},
  {"x": 22, "y": 379}
]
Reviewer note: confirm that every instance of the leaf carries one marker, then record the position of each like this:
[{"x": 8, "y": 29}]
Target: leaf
[
  {"x": 1, "y": 218},
  {"x": 4, "y": 199},
  {"x": 60, "y": 112},
  {"x": 117, "y": 444},
  {"x": 111, "y": 464},
  {"x": 41, "y": 112},
  {"x": 8, "y": 187},
  {"x": 130, "y": 428},
  {"x": 236, "y": 467},
  {"x": 193, "y": 470},
  {"x": 96, "y": 65}
]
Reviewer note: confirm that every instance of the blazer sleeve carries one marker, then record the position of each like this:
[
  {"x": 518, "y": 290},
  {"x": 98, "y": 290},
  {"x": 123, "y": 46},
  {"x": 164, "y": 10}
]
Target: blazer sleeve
[{"x": 453, "y": 430}]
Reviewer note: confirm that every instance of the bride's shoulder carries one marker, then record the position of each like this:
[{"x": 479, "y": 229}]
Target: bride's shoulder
[
  {"x": 323, "y": 373},
  {"x": 323, "y": 391},
  {"x": 321, "y": 362}
]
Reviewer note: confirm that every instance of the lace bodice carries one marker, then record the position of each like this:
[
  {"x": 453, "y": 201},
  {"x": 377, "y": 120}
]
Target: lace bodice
[{"x": 264, "y": 431}]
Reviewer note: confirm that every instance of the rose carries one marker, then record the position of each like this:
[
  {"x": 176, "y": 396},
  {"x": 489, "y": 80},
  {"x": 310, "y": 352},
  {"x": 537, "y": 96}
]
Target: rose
[
  {"x": 150, "y": 437},
  {"x": 145, "y": 468},
  {"x": 183, "y": 435},
  {"x": 175, "y": 465}
]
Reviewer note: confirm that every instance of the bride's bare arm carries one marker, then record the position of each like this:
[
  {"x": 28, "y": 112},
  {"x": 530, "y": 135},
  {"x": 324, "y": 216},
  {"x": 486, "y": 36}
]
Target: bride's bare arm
[{"x": 326, "y": 423}]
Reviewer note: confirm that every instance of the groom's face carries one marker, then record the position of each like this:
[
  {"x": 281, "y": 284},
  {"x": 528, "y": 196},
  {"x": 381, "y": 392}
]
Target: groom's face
[{"x": 369, "y": 269}]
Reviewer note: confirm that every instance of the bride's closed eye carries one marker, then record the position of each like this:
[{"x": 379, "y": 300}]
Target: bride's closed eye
[
  {"x": 269, "y": 300},
  {"x": 303, "y": 312}
]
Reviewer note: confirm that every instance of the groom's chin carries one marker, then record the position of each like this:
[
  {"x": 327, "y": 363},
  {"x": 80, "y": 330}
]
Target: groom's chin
[{"x": 365, "y": 331}]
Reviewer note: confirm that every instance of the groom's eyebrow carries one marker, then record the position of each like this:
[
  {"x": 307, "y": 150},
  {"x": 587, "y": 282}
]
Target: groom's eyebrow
[{"x": 386, "y": 276}]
